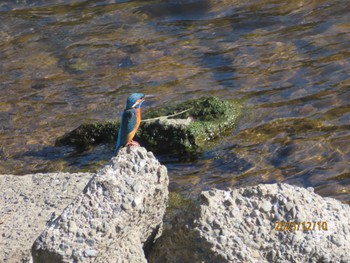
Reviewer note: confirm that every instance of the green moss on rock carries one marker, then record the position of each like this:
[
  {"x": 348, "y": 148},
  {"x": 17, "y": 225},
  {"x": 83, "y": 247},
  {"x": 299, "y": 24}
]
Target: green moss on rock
[
  {"x": 87, "y": 135},
  {"x": 183, "y": 134},
  {"x": 203, "y": 109}
]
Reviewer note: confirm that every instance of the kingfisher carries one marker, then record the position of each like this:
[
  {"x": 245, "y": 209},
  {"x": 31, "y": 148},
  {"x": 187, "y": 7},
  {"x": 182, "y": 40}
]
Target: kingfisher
[{"x": 130, "y": 121}]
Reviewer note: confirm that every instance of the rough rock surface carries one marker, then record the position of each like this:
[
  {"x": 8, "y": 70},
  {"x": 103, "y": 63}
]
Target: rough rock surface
[
  {"x": 27, "y": 203},
  {"x": 240, "y": 226},
  {"x": 119, "y": 213}
]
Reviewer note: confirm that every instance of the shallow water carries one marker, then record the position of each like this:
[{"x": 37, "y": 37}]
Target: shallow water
[{"x": 64, "y": 63}]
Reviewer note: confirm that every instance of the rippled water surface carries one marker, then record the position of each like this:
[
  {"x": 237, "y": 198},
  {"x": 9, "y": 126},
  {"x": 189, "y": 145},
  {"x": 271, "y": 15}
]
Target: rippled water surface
[{"x": 64, "y": 63}]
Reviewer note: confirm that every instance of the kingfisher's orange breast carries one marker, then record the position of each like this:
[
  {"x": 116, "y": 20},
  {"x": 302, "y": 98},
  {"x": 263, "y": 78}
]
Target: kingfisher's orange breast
[{"x": 137, "y": 125}]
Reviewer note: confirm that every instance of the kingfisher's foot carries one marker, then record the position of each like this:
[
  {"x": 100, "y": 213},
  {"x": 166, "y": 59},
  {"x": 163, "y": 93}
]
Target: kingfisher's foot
[{"x": 133, "y": 143}]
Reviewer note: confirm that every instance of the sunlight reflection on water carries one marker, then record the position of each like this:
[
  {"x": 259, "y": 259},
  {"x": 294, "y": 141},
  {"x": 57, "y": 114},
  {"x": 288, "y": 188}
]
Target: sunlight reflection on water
[{"x": 65, "y": 63}]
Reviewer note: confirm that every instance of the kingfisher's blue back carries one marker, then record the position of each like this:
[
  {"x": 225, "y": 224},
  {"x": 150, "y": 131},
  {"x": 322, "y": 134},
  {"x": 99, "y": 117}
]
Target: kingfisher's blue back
[{"x": 130, "y": 120}]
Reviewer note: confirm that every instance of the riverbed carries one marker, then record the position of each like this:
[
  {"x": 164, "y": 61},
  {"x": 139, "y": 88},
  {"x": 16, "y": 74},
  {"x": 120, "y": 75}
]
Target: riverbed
[{"x": 68, "y": 62}]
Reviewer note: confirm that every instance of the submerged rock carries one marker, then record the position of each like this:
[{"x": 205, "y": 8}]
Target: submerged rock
[
  {"x": 245, "y": 225},
  {"x": 184, "y": 134},
  {"x": 115, "y": 218},
  {"x": 87, "y": 135}
]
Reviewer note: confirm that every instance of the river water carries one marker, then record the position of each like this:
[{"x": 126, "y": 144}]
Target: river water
[{"x": 64, "y": 63}]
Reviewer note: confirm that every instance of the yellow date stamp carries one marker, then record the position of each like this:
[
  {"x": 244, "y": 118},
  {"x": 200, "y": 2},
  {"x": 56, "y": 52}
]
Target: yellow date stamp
[{"x": 301, "y": 226}]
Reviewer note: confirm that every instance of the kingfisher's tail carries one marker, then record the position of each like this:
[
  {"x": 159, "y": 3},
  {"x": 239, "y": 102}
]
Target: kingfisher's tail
[
  {"x": 117, "y": 148},
  {"x": 119, "y": 144}
]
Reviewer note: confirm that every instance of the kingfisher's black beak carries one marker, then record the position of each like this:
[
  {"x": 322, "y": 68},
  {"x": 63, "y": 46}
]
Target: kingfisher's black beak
[
  {"x": 138, "y": 102},
  {"x": 149, "y": 96}
]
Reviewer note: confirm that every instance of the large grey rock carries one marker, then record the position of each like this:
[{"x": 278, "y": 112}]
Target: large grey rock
[
  {"x": 239, "y": 226},
  {"x": 28, "y": 203},
  {"x": 119, "y": 212}
]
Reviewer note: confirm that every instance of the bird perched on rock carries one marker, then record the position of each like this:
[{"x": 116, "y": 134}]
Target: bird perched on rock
[{"x": 130, "y": 121}]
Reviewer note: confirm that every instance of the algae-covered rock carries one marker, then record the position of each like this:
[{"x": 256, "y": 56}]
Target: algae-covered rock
[
  {"x": 87, "y": 135},
  {"x": 180, "y": 129},
  {"x": 186, "y": 133}
]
